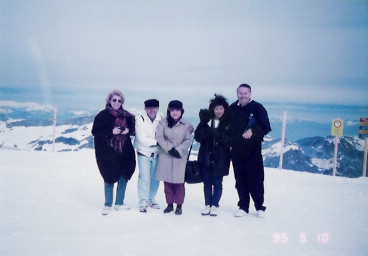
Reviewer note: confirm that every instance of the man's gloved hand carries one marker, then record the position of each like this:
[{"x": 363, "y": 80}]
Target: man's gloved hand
[{"x": 174, "y": 153}]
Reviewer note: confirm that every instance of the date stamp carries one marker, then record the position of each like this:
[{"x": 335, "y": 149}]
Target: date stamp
[{"x": 284, "y": 237}]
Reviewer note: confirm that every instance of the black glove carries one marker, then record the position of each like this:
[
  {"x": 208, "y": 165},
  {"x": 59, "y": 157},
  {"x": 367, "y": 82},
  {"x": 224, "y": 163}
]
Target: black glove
[
  {"x": 174, "y": 153},
  {"x": 204, "y": 116}
]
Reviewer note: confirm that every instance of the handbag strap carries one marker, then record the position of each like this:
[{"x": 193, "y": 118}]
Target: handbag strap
[{"x": 190, "y": 149}]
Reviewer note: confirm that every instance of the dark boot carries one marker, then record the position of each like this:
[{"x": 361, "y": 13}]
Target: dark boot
[
  {"x": 178, "y": 210},
  {"x": 169, "y": 208}
]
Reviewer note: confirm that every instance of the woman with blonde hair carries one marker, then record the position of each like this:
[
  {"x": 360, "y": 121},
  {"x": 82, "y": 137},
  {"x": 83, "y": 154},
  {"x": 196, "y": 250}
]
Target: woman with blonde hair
[{"x": 115, "y": 155}]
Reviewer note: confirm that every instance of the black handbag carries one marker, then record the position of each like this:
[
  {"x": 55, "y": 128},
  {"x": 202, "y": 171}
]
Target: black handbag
[{"x": 193, "y": 172}]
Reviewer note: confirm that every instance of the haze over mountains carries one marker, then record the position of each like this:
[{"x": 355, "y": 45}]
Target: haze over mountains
[{"x": 306, "y": 148}]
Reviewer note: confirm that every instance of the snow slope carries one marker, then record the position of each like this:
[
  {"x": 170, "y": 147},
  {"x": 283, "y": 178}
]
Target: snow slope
[{"x": 50, "y": 204}]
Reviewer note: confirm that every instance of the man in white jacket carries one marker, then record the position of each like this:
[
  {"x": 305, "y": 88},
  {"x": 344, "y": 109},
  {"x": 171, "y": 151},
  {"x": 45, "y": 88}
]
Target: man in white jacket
[{"x": 147, "y": 151}]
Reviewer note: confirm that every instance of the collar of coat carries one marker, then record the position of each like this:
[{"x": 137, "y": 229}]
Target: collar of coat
[
  {"x": 181, "y": 121},
  {"x": 238, "y": 104},
  {"x": 145, "y": 117}
]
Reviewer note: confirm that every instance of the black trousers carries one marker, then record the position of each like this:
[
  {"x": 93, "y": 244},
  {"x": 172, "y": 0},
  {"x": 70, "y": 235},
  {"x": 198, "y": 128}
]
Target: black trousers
[{"x": 249, "y": 175}]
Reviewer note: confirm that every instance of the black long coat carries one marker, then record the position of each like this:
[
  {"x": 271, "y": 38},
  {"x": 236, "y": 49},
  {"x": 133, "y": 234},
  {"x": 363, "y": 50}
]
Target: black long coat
[
  {"x": 240, "y": 116},
  {"x": 112, "y": 164},
  {"x": 214, "y": 150}
]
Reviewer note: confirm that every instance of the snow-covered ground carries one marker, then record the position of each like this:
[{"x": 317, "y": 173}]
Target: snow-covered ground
[
  {"x": 50, "y": 204},
  {"x": 22, "y": 137}
]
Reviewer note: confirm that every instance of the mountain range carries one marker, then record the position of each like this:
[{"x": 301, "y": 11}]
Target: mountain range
[
  {"x": 310, "y": 154},
  {"x": 316, "y": 154},
  {"x": 297, "y": 125}
]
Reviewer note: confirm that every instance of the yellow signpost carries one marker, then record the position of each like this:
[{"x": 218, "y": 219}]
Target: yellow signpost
[{"x": 337, "y": 127}]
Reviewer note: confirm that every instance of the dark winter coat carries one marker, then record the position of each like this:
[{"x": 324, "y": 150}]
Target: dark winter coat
[
  {"x": 240, "y": 117},
  {"x": 112, "y": 164},
  {"x": 214, "y": 150}
]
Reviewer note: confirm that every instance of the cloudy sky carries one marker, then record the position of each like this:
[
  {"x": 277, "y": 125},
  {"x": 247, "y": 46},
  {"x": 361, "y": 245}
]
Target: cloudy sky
[{"x": 70, "y": 53}]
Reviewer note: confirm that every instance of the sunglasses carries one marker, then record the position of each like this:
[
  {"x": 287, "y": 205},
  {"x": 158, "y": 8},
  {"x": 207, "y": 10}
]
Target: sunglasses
[{"x": 114, "y": 100}]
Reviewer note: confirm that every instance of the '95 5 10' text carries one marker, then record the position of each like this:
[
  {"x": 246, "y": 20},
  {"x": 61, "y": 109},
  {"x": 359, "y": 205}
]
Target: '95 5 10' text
[{"x": 302, "y": 238}]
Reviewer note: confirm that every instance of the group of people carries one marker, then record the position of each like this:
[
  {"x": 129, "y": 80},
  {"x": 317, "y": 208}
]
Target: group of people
[{"x": 225, "y": 133}]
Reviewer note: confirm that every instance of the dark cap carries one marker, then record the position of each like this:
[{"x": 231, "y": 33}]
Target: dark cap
[
  {"x": 175, "y": 104},
  {"x": 152, "y": 103}
]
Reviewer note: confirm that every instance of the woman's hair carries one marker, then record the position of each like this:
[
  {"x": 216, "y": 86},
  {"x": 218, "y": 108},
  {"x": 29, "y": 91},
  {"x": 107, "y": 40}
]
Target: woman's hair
[
  {"x": 218, "y": 100},
  {"x": 112, "y": 94},
  {"x": 170, "y": 121}
]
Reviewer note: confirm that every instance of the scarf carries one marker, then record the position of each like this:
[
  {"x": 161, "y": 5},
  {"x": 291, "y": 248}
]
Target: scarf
[{"x": 121, "y": 117}]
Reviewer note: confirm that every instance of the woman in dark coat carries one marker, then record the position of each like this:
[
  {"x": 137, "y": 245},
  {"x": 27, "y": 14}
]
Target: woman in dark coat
[
  {"x": 113, "y": 148},
  {"x": 213, "y": 133}
]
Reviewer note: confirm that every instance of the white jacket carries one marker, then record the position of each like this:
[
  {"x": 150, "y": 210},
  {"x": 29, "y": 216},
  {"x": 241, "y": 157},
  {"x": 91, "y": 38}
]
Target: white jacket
[{"x": 145, "y": 130}]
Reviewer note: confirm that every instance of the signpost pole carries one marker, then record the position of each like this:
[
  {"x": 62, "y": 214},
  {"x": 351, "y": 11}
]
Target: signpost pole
[
  {"x": 336, "y": 141},
  {"x": 53, "y": 132},
  {"x": 363, "y": 133},
  {"x": 282, "y": 141},
  {"x": 337, "y": 127},
  {"x": 365, "y": 157}
]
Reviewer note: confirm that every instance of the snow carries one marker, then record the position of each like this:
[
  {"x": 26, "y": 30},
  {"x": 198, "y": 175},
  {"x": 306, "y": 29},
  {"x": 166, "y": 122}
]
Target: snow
[
  {"x": 275, "y": 149},
  {"x": 357, "y": 142},
  {"x": 26, "y": 138},
  {"x": 50, "y": 204},
  {"x": 21, "y": 136},
  {"x": 322, "y": 164}
]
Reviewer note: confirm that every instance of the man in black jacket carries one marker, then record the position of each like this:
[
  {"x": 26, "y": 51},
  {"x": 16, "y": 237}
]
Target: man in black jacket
[{"x": 249, "y": 124}]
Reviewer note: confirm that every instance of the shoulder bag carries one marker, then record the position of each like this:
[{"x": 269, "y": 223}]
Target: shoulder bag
[{"x": 193, "y": 172}]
